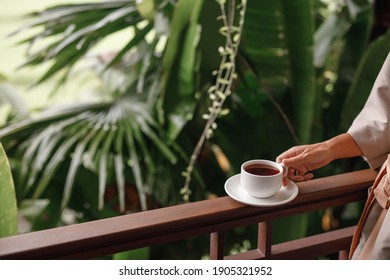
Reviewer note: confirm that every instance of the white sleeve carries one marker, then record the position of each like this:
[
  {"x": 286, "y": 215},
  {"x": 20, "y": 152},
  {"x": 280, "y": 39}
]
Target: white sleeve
[{"x": 371, "y": 128}]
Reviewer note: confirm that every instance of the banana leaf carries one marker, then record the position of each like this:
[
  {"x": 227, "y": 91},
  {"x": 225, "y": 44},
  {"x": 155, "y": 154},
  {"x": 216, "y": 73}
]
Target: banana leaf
[
  {"x": 355, "y": 41},
  {"x": 365, "y": 76},
  {"x": 8, "y": 208},
  {"x": 278, "y": 43},
  {"x": 177, "y": 100}
]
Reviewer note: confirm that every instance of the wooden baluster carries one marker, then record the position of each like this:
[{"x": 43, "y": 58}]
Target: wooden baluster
[
  {"x": 344, "y": 255},
  {"x": 217, "y": 245},
  {"x": 264, "y": 238}
]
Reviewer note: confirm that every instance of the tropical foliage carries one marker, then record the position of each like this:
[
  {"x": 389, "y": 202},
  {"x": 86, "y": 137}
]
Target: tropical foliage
[
  {"x": 8, "y": 208},
  {"x": 304, "y": 69}
]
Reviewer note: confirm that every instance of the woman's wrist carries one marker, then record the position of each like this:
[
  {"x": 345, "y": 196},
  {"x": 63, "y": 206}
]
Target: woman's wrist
[{"x": 342, "y": 146}]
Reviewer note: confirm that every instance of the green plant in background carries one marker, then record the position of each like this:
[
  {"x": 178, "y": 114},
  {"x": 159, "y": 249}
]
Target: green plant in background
[
  {"x": 12, "y": 105},
  {"x": 12, "y": 108},
  {"x": 225, "y": 76},
  {"x": 95, "y": 136},
  {"x": 110, "y": 138},
  {"x": 302, "y": 67},
  {"x": 8, "y": 208}
]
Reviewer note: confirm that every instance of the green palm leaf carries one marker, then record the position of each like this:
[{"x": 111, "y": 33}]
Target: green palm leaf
[
  {"x": 135, "y": 165},
  {"x": 119, "y": 167},
  {"x": 76, "y": 29},
  {"x": 55, "y": 161},
  {"x": 100, "y": 138},
  {"x": 73, "y": 168}
]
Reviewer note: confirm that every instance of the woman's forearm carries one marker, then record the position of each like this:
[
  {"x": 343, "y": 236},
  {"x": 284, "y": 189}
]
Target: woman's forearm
[{"x": 343, "y": 146}]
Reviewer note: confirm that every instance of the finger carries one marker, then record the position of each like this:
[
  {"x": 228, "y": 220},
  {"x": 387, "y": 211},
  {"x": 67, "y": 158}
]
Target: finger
[
  {"x": 292, "y": 152},
  {"x": 295, "y": 173},
  {"x": 297, "y": 162},
  {"x": 297, "y": 178},
  {"x": 308, "y": 176}
]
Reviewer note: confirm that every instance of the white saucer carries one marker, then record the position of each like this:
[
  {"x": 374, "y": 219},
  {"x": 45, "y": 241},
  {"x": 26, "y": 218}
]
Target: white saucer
[{"x": 234, "y": 189}]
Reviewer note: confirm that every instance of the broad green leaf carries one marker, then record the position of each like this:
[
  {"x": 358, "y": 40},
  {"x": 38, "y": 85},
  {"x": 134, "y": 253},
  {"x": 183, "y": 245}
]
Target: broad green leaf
[
  {"x": 8, "y": 208},
  {"x": 183, "y": 101},
  {"x": 178, "y": 96},
  {"x": 264, "y": 42},
  {"x": 299, "y": 24},
  {"x": 364, "y": 78},
  {"x": 278, "y": 41}
]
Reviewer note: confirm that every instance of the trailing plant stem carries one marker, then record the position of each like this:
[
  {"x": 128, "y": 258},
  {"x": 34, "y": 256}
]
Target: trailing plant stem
[{"x": 224, "y": 80}]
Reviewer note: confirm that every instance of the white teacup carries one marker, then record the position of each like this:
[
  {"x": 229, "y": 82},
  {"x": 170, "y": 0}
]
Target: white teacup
[{"x": 262, "y": 178}]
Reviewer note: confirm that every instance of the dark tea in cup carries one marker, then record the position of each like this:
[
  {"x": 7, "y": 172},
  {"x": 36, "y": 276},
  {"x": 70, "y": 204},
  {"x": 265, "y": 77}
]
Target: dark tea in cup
[
  {"x": 262, "y": 178},
  {"x": 261, "y": 169}
]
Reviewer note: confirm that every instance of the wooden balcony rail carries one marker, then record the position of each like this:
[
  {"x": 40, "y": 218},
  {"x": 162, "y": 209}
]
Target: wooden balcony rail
[{"x": 214, "y": 217}]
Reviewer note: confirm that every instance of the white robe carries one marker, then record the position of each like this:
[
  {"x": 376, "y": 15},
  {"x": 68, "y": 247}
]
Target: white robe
[
  {"x": 371, "y": 132},
  {"x": 371, "y": 128}
]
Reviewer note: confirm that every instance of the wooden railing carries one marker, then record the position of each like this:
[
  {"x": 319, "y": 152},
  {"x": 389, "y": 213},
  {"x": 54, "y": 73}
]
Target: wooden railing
[{"x": 214, "y": 217}]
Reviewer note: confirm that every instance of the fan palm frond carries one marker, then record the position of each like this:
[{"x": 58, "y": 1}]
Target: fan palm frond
[
  {"x": 71, "y": 31},
  {"x": 97, "y": 137}
]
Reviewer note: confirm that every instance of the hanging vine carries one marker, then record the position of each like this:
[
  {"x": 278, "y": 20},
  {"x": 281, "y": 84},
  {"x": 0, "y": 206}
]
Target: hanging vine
[{"x": 225, "y": 76}]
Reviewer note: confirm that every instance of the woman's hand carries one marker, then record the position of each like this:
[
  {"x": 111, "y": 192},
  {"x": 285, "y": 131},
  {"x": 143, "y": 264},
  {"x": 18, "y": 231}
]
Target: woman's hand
[
  {"x": 305, "y": 158},
  {"x": 302, "y": 159}
]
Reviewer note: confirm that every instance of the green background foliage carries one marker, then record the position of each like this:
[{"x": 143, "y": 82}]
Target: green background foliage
[{"x": 124, "y": 137}]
